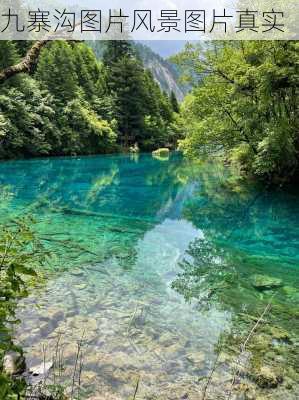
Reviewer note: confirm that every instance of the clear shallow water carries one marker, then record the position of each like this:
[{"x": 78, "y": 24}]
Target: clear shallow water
[{"x": 121, "y": 228}]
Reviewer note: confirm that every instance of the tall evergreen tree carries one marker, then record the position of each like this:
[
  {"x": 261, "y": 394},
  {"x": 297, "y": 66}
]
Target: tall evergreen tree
[
  {"x": 8, "y": 53},
  {"x": 57, "y": 71},
  {"x": 125, "y": 80},
  {"x": 143, "y": 111},
  {"x": 174, "y": 102}
]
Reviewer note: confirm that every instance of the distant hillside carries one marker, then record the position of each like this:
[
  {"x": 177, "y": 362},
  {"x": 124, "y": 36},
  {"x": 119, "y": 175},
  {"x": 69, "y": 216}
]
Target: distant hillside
[{"x": 164, "y": 72}]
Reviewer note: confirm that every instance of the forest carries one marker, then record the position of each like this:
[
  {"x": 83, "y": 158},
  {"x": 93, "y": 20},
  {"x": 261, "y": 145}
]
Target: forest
[
  {"x": 244, "y": 103},
  {"x": 74, "y": 104}
]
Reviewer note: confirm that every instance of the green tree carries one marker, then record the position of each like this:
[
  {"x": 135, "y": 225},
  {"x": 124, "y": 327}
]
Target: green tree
[
  {"x": 8, "y": 53},
  {"x": 174, "y": 102},
  {"x": 56, "y": 70},
  {"x": 245, "y": 104},
  {"x": 87, "y": 69},
  {"x": 125, "y": 81},
  {"x": 143, "y": 112}
]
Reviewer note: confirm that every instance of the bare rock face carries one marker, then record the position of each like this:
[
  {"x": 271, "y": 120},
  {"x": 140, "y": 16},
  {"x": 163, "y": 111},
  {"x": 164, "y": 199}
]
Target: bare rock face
[{"x": 14, "y": 363}]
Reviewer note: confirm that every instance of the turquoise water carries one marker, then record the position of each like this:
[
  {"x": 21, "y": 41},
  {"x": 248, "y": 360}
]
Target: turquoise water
[{"x": 153, "y": 260}]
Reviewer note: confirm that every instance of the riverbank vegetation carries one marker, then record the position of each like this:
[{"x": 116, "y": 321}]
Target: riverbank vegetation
[
  {"x": 245, "y": 104},
  {"x": 20, "y": 254}
]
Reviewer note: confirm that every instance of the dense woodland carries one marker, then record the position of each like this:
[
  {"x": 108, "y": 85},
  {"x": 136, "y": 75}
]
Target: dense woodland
[
  {"x": 245, "y": 105},
  {"x": 244, "y": 102},
  {"x": 72, "y": 103}
]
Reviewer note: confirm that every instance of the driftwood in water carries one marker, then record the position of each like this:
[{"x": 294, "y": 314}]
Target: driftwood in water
[
  {"x": 89, "y": 213},
  {"x": 68, "y": 244}
]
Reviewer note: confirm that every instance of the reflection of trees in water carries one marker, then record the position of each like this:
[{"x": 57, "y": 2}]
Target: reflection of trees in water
[
  {"x": 90, "y": 208},
  {"x": 244, "y": 233},
  {"x": 205, "y": 273},
  {"x": 243, "y": 215},
  {"x": 215, "y": 277}
]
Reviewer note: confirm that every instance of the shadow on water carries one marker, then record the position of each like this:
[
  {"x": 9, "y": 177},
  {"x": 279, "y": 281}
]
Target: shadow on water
[{"x": 157, "y": 261}]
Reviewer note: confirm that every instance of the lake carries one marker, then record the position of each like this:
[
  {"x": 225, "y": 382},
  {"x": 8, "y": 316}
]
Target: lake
[{"x": 162, "y": 267}]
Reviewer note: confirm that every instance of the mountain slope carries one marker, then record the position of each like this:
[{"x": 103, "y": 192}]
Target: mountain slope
[{"x": 164, "y": 72}]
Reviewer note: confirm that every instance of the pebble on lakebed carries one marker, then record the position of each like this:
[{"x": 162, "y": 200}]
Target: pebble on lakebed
[
  {"x": 267, "y": 377},
  {"x": 265, "y": 282},
  {"x": 14, "y": 363}
]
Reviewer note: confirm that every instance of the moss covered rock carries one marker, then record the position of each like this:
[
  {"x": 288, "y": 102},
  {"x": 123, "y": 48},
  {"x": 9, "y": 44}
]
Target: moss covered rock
[
  {"x": 162, "y": 152},
  {"x": 267, "y": 377},
  {"x": 13, "y": 363},
  {"x": 280, "y": 334},
  {"x": 265, "y": 282}
]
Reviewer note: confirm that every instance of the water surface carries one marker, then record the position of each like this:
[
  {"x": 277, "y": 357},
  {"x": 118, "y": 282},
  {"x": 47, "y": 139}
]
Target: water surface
[{"x": 153, "y": 262}]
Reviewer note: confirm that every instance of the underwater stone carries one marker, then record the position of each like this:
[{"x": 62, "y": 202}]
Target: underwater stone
[
  {"x": 290, "y": 290},
  {"x": 41, "y": 369},
  {"x": 266, "y": 377},
  {"x": 89, "y": 376},
  {"x": 13, "y": 363},
  {"x": 280, "y": 334},
  {"x": 196, "y": 358},
  {"x": 167, "y": 339},
  {"x": 265, "y": 282},
  {"x": 77, "y": 272},
  {"x": 81, "y": 286},
  {"x": 52, "y": 314},
  {"x": 289, "y": 383}
]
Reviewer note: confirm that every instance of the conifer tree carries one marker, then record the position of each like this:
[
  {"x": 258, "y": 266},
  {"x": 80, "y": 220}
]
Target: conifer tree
[
  {"x": 57, "y": 71},
  {"x": 174, "y": 102}
]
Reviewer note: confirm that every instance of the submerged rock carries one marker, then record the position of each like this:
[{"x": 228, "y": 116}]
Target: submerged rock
[
  {"x": 280, "y": 334},
  {"x": 52, "y": 314},
  {"x": 161, "y": 152},
  {"x": 265, "y": 282},
  {"x": 14, "y": 363},
  {"x": 81, "y": 286},
  {"x": 266, "y": 377},
  {"x": 77, "y": 272},
  {"x": 197, "y": 358},
  {"x": 41, "y": 369}
]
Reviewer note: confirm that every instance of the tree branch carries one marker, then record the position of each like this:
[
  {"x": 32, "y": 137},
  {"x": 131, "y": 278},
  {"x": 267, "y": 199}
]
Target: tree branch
[
  {"x": 240, "y": 129},
  {"x": 26, "y": 64}
]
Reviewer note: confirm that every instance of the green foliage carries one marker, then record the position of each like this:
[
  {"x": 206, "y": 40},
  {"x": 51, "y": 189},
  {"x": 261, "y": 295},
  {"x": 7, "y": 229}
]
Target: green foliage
[
  {"x": 143, "y": 112},
  {"x": 8, "y": 54},
  {"x": 85, "y": 132},
  {"x": 20, "y": 254},
  {"x": 174, "y": 103},
  {"x": 75, "y": 105},
  {"x": 245, "y": 105},
  {"x": 57, "y": 71},
  {"x": 57, "y": 111},
  {"x": 26, "y": 126}
]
